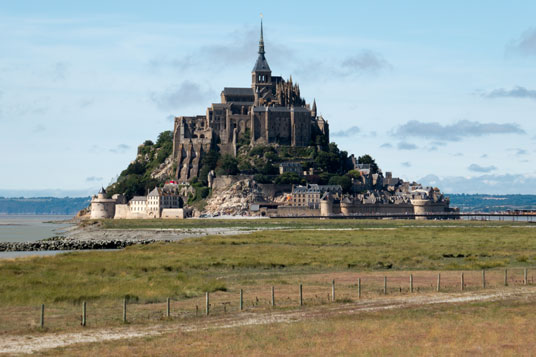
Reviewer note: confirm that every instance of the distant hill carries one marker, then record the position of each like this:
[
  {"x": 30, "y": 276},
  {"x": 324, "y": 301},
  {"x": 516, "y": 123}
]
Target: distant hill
[
  {"x": 492, "y": 203},
  {"x": 43, "y": 205}
]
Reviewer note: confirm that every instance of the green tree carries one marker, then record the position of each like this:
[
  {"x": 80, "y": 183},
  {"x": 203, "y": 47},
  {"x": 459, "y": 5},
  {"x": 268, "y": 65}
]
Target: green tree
[
  {"x": 367, "y": 159},
  {"x": 164, "y": 137},
  {"x": 289, "y": 178},
  {"x": 228, "y": 165},
  {"x": 260, "y": 178},
  {"x": 354, "y": 174},
  {"x": 344, "y": 181}
]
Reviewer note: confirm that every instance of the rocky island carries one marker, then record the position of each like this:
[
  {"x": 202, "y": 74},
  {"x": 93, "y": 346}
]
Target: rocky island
[{"x": 262, "y": 151}]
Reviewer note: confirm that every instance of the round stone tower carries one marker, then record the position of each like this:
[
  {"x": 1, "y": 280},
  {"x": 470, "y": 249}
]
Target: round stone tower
[
  {"x": 421, "y": 207},
  {"x": 102, "y": 207},
  {"x": 326, "y": 205}
]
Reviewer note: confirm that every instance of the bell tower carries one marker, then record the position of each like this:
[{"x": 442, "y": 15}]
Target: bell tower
[{"x": 261, "y": 75}]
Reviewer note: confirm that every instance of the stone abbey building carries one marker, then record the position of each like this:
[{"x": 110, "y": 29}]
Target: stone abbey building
[{"x": 270, "y": 111}]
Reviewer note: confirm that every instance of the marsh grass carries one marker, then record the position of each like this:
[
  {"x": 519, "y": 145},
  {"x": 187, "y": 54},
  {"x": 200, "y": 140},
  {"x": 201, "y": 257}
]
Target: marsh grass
[
  {"x": 190, "y": 267},
  {"x": 290, "y": 223}
]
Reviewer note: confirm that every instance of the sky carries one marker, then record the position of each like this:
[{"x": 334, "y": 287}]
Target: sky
[{"x": 442, "y": 93}]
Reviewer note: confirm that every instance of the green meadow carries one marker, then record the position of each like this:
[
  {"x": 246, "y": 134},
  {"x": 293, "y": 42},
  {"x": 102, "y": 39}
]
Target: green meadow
[{"x": 214, "y": 263}]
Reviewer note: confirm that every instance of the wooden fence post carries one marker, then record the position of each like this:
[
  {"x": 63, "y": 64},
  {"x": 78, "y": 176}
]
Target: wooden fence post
[
  {"x": 410, "y": 283},
  {"x": 273, "y": 296},
  {"x": 384, "y": 285},
  {"x": 483, "y": 279},
  {"x": 438, "y": 282},
  {"x": 301, "y": 295},
  {"x": 525, "y": 279},
  {"x": 207, "y": 303},
  {"x": 84, "y": 314},
  {"x": 241, "y": 299},
  {"x": 42, "y": 320},
  {"x": 333, "y": 290},
  {"x": 505, "y": 277},
  {"x": 462, "y": 283},
  {"x": 359, "y": 288},
  {"x": 125, "y": 310},
  {"x": 168, "y": 307}
]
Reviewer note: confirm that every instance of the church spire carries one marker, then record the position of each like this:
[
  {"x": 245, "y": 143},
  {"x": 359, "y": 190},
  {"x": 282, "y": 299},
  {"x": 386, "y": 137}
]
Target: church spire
[
  {"x": 261, "y": 65},
  {"x": 261, "y": 42}
]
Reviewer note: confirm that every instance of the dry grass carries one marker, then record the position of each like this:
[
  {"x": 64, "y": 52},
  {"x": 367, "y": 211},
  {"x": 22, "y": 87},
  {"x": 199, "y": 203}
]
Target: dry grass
[
  {"x": 257, "y": 298},
  {"x": 496, "y": 328}
]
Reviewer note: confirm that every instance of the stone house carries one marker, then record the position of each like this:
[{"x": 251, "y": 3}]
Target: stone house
[{"x": 309, "y": 195}]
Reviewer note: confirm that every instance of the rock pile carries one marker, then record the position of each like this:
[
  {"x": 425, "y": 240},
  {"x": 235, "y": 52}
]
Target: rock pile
[
  {"x": 233, "y": 200},
  {"x": 68, "y": 244}
]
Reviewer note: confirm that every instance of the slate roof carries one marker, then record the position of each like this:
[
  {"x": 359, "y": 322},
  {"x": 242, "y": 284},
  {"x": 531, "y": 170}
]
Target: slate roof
[
  {"x": 261, "y": 65},
  {"x": 238, "y": 91},
  {"x": 139, "y": 198}
]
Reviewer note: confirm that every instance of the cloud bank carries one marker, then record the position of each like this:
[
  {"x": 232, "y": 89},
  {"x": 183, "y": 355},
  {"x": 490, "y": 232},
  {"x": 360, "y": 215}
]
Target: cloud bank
[
  {"x": 485, "y": 184},
  {"x": 526, "y": 43},
  {"x": 365, "y": 61},
  {"x": 185, "y": 95},
  {"x": 478, "y": 168},
  {"x": 351, "y": 131},
  {"x": 516, "y": 92},
  {"x": 456, "y": 131}
]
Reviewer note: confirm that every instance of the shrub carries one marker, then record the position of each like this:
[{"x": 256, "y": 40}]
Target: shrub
[{"x": 289, "y": 178}]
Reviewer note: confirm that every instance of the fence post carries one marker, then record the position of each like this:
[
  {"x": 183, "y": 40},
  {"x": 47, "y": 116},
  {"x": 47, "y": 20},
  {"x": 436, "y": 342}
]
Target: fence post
[
  {"x": 384, "y": 285},
  {"x": 301, "y": 295},
  {"x": 359, "y": 288},
  {"x": 525, "y": 280},
  {"x": 168, "y": 309},
  {"x": 273, "y": 296},
  {"x": 207, "y": 303},
  {"x": 410, "y": 283},
  {"x": 42, "y": 320},
  {"x": 84, "y": 314},
  {"x": 438, "y": 282},
  {"x": 241, "y": 299},
  {"x": 462, "y": 282},
  {"x": 125, "y": 310},
  {"x": 333, "y": 290},
  {"x": 505, "y": 277}
]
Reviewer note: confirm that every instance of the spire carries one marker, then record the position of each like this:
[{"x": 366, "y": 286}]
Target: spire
[
  {"x": 261, "y": 65},
  {"x": 261, "y": 42},
  {"x": 314, "y": 107}
]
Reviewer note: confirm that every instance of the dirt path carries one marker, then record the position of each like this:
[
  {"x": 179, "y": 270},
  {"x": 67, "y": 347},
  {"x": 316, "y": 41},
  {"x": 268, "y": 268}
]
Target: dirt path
[{"x": 18, "y": 344}]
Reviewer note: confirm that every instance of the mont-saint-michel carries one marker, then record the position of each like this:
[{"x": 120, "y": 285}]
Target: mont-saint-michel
[
  {"x": 262, "y": 151},
  {"x": 336, "y": 178}
]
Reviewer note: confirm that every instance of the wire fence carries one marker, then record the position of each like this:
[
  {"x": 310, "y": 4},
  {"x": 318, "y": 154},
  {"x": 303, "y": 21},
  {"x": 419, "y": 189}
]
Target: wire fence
[{"x": 323, "y": 289}]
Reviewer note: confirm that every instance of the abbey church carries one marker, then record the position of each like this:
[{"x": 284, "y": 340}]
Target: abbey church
[{"x": 271, "y": 111}]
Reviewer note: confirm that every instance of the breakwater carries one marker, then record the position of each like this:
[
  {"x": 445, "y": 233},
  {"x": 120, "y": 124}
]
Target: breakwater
[{"x": 68, "y": 244}]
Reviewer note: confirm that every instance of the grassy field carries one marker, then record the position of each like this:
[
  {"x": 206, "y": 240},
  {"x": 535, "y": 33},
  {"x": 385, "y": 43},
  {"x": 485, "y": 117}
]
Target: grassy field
[
  {"x": 290, "y": 223},
  {"x": 503, "y": 328},
  {"x": 311, "y": 252},
  {"x": 217, "y": 263}
]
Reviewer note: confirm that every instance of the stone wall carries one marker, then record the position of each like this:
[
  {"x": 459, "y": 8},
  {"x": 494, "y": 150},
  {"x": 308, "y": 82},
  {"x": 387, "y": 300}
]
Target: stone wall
[
  {"x": 291, "y": 211},
  {"x": 174, "y": 213},
  {"x": 121, "y": 211}
]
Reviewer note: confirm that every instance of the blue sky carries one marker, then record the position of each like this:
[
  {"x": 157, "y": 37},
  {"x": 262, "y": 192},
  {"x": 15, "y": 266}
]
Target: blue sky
[{"x": 442, "y": 92}]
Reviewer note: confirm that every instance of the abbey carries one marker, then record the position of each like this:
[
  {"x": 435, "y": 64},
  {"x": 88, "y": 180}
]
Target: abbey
[{"x": 271, "y": 111}]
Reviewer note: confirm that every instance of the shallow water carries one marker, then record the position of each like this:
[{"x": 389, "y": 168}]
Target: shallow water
[{"x": 29, "y": 228}]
